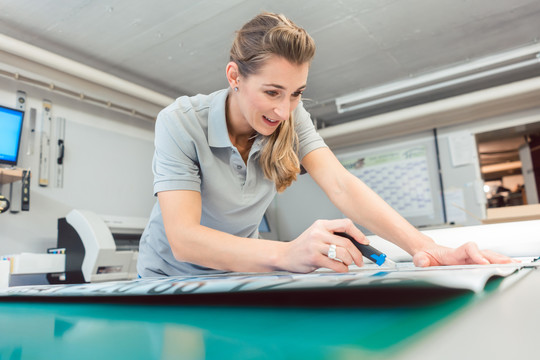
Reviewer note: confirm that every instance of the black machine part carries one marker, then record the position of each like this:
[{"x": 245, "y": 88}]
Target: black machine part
[{"x": 69, "y": 239}]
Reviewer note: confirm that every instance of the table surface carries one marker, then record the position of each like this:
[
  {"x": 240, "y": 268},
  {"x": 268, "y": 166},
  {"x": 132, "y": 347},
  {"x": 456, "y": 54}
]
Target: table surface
[{"x": 500, "y": 322}]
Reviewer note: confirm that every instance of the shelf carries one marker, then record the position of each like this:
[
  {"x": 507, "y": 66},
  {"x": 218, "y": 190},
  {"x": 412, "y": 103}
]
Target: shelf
[
  {"x": 10, "y": 175},
  {"x": 512, "y": 213}
]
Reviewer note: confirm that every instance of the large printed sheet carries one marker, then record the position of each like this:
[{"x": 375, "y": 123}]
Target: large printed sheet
[{"x": 369, "y": 284}]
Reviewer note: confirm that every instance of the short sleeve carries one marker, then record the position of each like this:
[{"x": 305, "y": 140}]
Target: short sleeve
[
  {"x": 175, "y": 163},
  {"x": 308, "y": 137}
]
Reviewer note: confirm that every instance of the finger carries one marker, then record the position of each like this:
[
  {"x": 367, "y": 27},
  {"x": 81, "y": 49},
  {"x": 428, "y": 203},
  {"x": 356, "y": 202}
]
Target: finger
[
  {"x": 328, "y": 263},
  {"x": 341, "y": 257},
  {"x": 474, "y": 254},
  {"x": 354, "y": 253},
  {"x": 328, "y": 238},
  {"x": 341, "y": 254},
  {"x": 357, "y": 235},
  {"x": 347, "y": 226},
  {"x": 496, "y": 258},
  {"x": 422, "y": 259},
  {"x": 344, "y": 255},
  {"x": 332, "y": 252}
]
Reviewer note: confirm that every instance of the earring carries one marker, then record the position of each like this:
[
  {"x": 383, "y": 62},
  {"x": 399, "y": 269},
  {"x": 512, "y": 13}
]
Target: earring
[{"x": 236, "y": 89}]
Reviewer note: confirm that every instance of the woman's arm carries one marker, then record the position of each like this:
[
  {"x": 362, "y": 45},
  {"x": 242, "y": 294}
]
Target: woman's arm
[
  {"x": 194, "y": 243},
  {"x": 361, "y": 204}
]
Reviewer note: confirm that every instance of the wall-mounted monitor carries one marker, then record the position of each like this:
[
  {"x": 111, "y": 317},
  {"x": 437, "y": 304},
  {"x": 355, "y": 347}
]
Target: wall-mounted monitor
[
  {"x": 405, "y": 174},
  {"x": 11, "y": 123}
]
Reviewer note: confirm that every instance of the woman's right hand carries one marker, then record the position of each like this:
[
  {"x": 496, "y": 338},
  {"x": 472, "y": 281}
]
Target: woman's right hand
[{"x": 309, "y": 251}]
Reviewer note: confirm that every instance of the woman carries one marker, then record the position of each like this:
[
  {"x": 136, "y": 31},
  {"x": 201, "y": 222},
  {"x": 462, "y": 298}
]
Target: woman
[{"x": 221, "y": 158}]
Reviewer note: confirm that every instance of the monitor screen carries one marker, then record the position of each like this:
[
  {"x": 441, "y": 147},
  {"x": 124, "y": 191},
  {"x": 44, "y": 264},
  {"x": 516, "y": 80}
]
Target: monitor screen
[{"x": 11, "y": 122}]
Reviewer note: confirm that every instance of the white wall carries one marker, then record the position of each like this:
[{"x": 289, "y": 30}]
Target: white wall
[{"x": 107, "y": 168}]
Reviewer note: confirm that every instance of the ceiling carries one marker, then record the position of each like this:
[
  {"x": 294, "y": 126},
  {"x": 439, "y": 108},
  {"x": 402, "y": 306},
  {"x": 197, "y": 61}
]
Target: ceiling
[{"x": 179, "y": 47}]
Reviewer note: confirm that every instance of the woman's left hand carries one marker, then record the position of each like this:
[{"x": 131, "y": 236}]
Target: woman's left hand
[{"x": 466, "y": 254}]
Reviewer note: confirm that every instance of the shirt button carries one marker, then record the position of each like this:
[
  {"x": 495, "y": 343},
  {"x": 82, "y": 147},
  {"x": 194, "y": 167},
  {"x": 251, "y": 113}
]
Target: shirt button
[{"x": 238, "y": 167}]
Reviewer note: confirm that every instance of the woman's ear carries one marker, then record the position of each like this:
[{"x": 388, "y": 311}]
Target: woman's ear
[{"x": 233, "y": 75}]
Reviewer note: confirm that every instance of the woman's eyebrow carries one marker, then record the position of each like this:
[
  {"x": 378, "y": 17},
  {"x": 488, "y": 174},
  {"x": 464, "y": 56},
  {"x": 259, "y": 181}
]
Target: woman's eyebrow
[{"x": 283, "y": 88}]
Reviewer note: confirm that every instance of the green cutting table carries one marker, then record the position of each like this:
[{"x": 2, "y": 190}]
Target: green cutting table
[{"x": 500, "y": 322}]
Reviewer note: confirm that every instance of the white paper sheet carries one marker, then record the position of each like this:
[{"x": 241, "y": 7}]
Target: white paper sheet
[{"x": 462, "y": 148}]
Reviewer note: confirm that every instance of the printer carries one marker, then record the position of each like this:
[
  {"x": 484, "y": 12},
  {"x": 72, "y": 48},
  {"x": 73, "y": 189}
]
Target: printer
[{"x": 99, "y": 248}]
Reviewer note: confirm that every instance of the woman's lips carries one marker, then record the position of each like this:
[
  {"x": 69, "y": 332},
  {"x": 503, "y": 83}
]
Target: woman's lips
[{"x": 270, "y": 121}]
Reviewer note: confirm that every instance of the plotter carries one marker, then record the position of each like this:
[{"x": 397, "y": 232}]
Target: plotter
[{"x": 99, "y": 248}]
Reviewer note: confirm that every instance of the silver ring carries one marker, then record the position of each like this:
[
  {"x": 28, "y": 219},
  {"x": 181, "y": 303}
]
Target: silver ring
[{"x": 332, "y": 252}]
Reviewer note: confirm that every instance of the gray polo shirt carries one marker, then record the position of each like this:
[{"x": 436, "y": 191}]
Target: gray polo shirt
[{"x": 193, "y": 152}]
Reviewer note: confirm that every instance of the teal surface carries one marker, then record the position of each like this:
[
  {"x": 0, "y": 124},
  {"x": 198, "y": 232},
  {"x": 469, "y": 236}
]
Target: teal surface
[{"x": 101, "y": 331}]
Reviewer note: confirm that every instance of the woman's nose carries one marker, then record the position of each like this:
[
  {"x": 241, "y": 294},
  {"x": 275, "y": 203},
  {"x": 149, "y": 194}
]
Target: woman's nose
[{"x": 283, "y": 110}]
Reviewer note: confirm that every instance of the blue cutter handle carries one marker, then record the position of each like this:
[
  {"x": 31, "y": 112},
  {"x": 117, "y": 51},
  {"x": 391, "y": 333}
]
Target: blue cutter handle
[{"x": 368, "y": 251}]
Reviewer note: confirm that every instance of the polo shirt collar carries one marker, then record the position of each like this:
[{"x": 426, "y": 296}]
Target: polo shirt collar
[{"x": 218, "y": 135}]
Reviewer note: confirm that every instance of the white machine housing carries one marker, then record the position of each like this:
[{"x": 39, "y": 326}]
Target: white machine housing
[{"x": 103, "y": 261}]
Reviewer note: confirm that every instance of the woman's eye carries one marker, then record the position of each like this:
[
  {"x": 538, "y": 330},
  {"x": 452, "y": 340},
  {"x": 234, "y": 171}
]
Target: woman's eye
[
  {"x": 297, "y": 94},
  {"x": 271, "y": 93}
]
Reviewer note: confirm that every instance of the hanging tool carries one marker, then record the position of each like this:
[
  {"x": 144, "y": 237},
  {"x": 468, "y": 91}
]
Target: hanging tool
[
  {"x": 45, "y": 144},
  {"x": 61, "y": 133}
]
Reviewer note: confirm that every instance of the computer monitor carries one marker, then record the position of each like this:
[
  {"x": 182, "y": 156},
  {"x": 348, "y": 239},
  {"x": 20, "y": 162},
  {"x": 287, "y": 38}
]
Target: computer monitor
[{"x": 11, "y": 122}]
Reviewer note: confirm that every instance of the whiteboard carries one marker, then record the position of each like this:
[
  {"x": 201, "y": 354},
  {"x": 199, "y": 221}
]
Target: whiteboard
[
  {"x": 304, "y": 202},
  {"x": 404, "y": 173}
]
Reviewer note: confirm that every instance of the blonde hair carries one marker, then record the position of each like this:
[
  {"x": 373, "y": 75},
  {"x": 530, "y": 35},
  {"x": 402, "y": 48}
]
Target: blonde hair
[{"x": 264, "y": 36}]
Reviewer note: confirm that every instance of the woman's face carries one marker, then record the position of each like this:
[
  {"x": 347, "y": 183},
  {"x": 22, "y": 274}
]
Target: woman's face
[{"x": 267, "y": 98}]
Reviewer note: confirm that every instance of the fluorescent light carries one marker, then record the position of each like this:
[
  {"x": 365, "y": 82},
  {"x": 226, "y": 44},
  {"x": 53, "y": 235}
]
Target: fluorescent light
[
  {"x": 462, "y": 74},
  {"x": 512, "y": 165}
]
